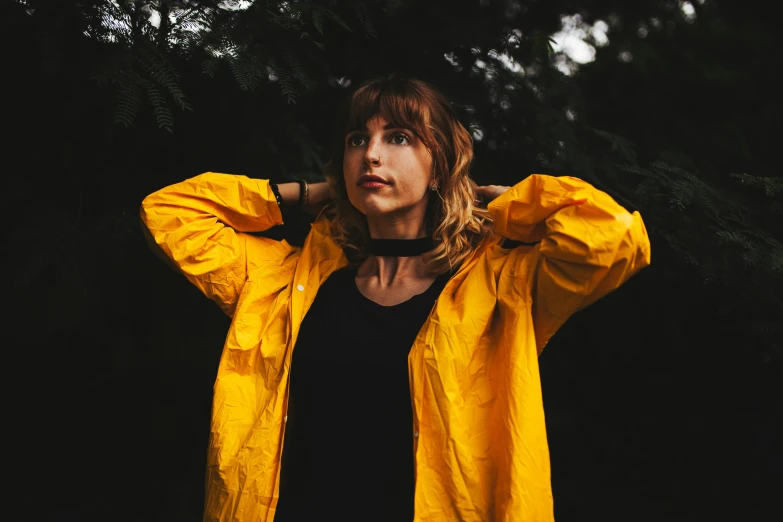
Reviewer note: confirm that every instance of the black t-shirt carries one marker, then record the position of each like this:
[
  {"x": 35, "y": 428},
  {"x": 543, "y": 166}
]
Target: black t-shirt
[{"x": 348, "y": 447}]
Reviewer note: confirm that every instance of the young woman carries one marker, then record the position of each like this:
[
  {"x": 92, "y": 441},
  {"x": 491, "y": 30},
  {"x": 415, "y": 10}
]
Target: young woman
[{"x": 387, "y": 369}]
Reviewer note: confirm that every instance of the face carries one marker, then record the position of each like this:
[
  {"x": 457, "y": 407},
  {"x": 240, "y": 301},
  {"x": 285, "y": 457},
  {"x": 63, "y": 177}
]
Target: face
[{"x": 387, "y": 172}]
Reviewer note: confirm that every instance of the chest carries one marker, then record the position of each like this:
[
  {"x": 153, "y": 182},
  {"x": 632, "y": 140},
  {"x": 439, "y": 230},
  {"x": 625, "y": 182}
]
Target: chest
[
  {"x": 357, "y": 327},
  {"x": 394, "y": 294}
]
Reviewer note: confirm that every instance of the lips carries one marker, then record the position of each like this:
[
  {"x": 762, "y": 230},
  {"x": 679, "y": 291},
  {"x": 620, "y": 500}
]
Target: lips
[{"x": 371, "y": 178}]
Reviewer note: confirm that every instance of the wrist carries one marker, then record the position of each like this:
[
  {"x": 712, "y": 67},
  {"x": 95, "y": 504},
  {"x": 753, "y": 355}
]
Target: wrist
[{"x": 290, "y": 193}]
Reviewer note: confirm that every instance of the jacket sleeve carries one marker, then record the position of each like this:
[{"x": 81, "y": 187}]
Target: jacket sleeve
[
  {"x": 588, "y": 244},
  {"x": 200, "y": 225}
]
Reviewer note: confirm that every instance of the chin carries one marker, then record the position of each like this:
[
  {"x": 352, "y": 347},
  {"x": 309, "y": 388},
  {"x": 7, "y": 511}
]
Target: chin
[
  {"x": 371, "y": 210},
  {"x": 369, "y": 206}
]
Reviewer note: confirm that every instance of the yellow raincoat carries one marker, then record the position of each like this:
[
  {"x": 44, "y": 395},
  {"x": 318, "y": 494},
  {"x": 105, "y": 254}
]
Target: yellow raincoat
[{"x": 479, "y": 440}]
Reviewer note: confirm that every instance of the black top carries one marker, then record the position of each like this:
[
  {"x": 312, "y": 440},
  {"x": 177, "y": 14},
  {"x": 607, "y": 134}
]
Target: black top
[{"x": 349, "y": 437}]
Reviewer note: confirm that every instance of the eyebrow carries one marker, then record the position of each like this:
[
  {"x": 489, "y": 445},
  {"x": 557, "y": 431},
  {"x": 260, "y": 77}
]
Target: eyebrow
[{"x": 385, "y": 127}]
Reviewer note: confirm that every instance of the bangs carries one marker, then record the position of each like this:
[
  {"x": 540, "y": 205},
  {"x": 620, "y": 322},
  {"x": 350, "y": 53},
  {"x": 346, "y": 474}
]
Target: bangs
[{"x": 400, "y": 105}]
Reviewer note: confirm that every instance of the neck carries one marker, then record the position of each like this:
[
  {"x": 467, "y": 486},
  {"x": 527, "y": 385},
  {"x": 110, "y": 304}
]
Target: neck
[
  {"x": 389, "y": 269},
  {"x": 410, "y": 228},
  {"x": 386, "y": 268}
]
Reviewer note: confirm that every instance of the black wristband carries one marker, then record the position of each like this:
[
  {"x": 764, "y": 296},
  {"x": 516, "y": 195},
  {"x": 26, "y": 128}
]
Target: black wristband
[
  {"x": 276, "y": 192},
  {"x": 303, "y": 190}
]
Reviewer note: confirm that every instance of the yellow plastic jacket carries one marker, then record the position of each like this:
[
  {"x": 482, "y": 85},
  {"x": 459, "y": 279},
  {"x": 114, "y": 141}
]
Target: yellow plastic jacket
[{"x": 479, "y": 441}]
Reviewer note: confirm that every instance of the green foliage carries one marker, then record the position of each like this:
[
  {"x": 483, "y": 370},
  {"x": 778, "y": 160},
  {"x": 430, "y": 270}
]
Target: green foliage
[
  {"x": 771, "y": 186},
  {"x": 621, "y": 146},
  {"x": 365, "y": 18},
  {"x": 727, "y": 238},
  {"x": 129, "y": 99},
  {"x": 144, "y": 71},
  {"x": 137, "y": 65},
  {"x": 248, "y": 70},
  {"x": 623, "y": 126},
  {"x": 287, "y": 86},
  {"x": 716, "y": 231},
  {"x": 209, "y": 66},
  {"x": 269, "y": 42}
]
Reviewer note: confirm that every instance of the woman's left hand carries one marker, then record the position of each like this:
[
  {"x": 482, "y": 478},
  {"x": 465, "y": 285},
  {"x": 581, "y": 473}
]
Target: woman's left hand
[{"x": 490, "y": 192}]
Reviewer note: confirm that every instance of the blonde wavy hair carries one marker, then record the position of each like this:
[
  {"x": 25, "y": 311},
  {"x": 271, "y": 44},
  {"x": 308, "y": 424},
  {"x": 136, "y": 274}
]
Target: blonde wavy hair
[{"x": 454, "y": 219}]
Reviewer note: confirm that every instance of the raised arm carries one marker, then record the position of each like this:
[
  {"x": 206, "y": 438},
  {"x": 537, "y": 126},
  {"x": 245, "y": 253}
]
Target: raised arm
[
  {"x": 588, "y": 244},
  {"x": 200, "y": 224}
]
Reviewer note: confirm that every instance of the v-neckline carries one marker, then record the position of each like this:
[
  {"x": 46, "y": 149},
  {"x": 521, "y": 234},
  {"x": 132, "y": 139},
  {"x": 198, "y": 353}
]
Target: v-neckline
[{"x": 355, "y": 285}]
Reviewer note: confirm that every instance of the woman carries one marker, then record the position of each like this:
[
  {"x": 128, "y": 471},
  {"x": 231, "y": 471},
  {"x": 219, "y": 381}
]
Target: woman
[{"x": 402, "y": 272}]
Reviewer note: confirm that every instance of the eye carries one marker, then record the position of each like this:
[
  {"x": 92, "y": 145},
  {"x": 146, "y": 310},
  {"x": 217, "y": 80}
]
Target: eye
[
  {"x": 400, "y": 139},
  {"x": 355, "y": 140}
]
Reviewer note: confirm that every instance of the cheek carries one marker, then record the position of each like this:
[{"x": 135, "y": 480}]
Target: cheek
[
  {"x": 349, "y": 170},
  {"x": 349, "y": 177},
  {"x": 346, "y": 164},
  {"x": 422, "y": 166},
  {"x": 353, "y": 164},
  {"x": 427, "y": 162}
]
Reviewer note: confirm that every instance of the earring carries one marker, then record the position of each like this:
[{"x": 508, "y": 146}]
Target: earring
[{"x": 434, "y": 187}]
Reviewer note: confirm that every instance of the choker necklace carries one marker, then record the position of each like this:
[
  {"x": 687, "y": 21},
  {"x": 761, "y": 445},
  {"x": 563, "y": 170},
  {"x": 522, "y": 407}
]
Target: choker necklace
[{"x": 400, "y": 247}]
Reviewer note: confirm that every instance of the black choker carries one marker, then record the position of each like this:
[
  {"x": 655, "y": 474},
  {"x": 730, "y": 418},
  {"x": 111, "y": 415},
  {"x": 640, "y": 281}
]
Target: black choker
[{"x": 400, "y": 247}]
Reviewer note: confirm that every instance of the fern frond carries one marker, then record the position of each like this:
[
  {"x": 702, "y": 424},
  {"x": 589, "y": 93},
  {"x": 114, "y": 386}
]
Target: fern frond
[
  {"x": 128, "y": 102},
  {"x": 707, "y": 273},
  {"x": 363, "y": 15},
  {"x": 318, "y": 20},
  {"x": 164, "y": 118},
  {"x": 735, "y": 237},
  {"x": 636, "y": 169},
  {"x": 750, "y": 258},
  {"x": 681, "y": 195},
  {"x": 664, "y": 166},
  {"x": 776, "y": 261},
  {"x": 210, "y": 65},
  {"x": 158, "y": 67},
  {"x": 335, "y": 18},
  {"x": 162, "y": 114},
  {"x": 619, "y": 144},
  {"x": 287, "y": 85},
  {"x": 770, "y": 186},
  {"x": 248, "y": 71},
  {"x": 298, "y": 70}
]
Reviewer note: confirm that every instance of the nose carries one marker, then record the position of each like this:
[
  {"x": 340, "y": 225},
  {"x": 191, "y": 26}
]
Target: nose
[{"x": 372, "y": 155}]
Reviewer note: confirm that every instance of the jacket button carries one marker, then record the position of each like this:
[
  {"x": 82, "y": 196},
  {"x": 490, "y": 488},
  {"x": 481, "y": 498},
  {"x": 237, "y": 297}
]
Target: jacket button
[
  {"x": 300, "y": 288},
  {"x": 415, "y": 434},
  {"x": 285, "y": 419}
]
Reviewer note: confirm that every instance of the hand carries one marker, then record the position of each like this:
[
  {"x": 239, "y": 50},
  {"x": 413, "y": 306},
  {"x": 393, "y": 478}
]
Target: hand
[{"x": 489, "y": 192}]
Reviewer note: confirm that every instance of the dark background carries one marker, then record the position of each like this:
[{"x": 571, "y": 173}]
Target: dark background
[{"x": 663, "y": 399}]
